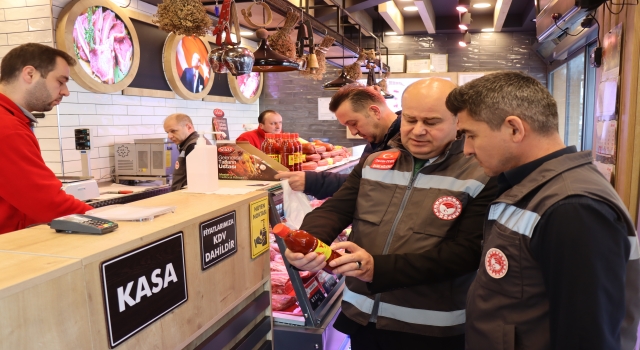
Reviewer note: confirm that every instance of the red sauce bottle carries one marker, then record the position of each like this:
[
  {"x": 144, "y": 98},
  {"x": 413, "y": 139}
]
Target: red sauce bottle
[
  {"x": 299, "y": 241},
  {"x": 271, "y": 148},
  {"x": 288, "y": 152}
]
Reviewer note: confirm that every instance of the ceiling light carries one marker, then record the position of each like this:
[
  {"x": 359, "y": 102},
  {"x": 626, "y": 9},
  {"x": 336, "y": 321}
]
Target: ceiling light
[
  {"x": 411, "y": 8},
  {"x": 463, "y": 26},
  {"x": 463, "y": 5},
  {"x": 390, "y": 33},
  {"x": 487, "y": 29},
  {"x": 246, "y": 33},
  {"x": 481, "y": 5}
]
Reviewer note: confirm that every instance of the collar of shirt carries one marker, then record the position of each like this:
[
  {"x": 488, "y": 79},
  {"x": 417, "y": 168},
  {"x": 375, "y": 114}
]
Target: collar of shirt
[
  {"x": 420, "y": 163},
  {"x": 28, "y": 114},
  {"x": 512, "y": 177}
]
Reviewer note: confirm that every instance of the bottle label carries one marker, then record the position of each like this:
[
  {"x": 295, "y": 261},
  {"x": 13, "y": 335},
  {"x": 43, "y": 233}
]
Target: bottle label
[
  {"x": 323, "y": 249},
  {"x": 292, "y": 159},
  {"x": 275, "y": 157}
]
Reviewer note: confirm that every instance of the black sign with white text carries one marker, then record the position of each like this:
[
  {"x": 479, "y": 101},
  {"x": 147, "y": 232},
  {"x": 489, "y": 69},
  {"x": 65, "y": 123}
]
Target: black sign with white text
[
  {"x": 218, "y": 239},
  {"x": 143, "y": 285}
]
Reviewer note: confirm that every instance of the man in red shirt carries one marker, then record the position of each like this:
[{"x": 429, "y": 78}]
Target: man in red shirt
[
  {"x": 270, "y": 123},
  {"x": 33, "y": 77}
]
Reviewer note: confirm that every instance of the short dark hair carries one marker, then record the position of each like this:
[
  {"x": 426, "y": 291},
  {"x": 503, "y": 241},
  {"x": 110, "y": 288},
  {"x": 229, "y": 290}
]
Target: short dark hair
[
  {"x": 41, "y": 57},
  {"x": 264, "y": 114},
  {"x": 360, "y": 96},
  {"x": 492, "y": 98}
]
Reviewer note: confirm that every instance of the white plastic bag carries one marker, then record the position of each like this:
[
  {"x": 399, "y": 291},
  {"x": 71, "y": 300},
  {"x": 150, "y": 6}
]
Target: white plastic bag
[{"x": 296, "y": 205}]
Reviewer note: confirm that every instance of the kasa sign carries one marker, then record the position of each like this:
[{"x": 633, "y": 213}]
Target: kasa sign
[{"x": 143, "y": 285}]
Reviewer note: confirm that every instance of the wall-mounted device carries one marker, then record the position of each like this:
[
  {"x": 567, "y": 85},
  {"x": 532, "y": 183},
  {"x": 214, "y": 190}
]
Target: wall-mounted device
[
  {"x": 83, "y": 144},
  {"x": 145, "y": 159},
  {"x": 595, "y": 58},
  {"x": 554, "y": 16}
]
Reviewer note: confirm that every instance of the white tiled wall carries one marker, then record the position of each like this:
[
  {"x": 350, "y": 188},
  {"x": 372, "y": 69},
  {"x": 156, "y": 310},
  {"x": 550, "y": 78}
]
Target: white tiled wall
[{"x": 111, "y": 117}]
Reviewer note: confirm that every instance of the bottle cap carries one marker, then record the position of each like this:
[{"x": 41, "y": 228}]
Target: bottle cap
[{"x": 281, "y": 230}]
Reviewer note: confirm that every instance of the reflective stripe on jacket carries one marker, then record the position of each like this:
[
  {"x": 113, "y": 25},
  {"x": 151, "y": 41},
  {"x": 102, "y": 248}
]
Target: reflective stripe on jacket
[
  {"x": 510, "y": 310},
  {"x": 398, "y": 212}
]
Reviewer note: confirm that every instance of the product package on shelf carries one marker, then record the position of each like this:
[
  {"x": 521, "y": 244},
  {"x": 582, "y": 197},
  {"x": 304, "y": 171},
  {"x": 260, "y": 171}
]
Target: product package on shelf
[{"x": 241, "y": 161}]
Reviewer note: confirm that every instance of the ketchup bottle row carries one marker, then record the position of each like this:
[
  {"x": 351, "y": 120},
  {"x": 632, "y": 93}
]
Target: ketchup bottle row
[{"x": 285, "y": 149}]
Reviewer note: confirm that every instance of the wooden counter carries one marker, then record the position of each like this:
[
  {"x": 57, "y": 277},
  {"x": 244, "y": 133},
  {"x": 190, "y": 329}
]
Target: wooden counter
[{"x": 51, "y": 289}]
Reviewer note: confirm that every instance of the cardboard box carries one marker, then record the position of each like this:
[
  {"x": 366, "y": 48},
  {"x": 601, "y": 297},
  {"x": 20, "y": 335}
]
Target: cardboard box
[{"x": 241, "y": 161}]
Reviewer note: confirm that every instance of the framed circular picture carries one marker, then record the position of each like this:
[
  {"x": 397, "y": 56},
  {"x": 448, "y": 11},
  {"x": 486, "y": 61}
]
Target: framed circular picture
[
  {"x": 186, "y": 66},
  {"x": 246, "y": 88},
  {"x": 101, "y": 37}
]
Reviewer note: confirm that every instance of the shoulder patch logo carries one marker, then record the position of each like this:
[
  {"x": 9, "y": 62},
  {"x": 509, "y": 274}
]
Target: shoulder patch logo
[
  {"x": 447, "y": 207},
  {"x": 385, "y": 160},
  {"x": 177, "y": 165},
  {"x": 496, "y": 263}
]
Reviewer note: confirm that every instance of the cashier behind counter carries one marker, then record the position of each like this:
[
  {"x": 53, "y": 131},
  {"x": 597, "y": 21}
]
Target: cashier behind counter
[
  {"x": 33, "y": 77},
  {"x": 270, "y": 122}
]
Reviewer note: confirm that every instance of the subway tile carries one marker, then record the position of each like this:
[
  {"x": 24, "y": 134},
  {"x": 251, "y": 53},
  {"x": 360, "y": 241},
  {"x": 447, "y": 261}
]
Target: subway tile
[
  {"x": 141, "y": 129},
  {"x": 204, "y": 112},
  {"x": 139, "y": 110},
  {"x": 48, "y": 120},
  {"x": 127, "y": 120},
  {"x": 96, "y": 120},
  {"x": 69, "y": 143},
  {"x": 5, "y": 49},
  {"x": 49, "y": 144},
  {"x": 105, "y": 175},
  {"x": 72, "y": 98},
  {"x": 47, "y": 132},
  {"x": 71, "y": 154},
  {"x": 111, "y": 109},
  {"x": 73, "y": 167},
  {"x": 152, "y": 101},
  {"x": 60, "y": 3},
  {"x": 69, "y": 120},
  {"x": 113, "y": 130},
  {"x": 73, "y": 86},
  {"x": 175, "y": 103},
  {"x": 154, "y": 136},
  {"x": 196, "y": 104},
  {"x": 94, "y": 154},
  {"x": 105, "y": 151},
  {"x": 90, "y": 97},
  {"x": 38, "y": 2},
  {"x": 14, "y": 26},
  {"x": 50, "y": 156},
  {"x": 153, "y": 119},
  {"x": 126, "y": 100},
  {"x": 42, "y": 11},
  {"x": 40, "y": 24},
  {"x": 201, "y": 120},
  {"x": 55, "y": 12},
  {"x": 56, "y": 167},
  {"x": 77, "y": 108},
  {"x": 126, "y": 138},
  {"x": 160, "y": 130},
  {"x": 164, "y": 111},
  {"x": 12, "y": 3},
  {"x": 101, "y": 141}
]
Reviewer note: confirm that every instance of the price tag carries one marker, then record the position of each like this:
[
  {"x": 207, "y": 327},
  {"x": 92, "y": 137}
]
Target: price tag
[{"x": 314, "y": 293}]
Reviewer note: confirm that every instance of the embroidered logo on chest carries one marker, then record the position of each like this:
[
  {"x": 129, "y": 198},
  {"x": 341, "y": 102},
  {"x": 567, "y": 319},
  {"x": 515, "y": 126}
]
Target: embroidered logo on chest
[
  {"x": 496, "y": 263},
  {"x": 385, "y": 161},
  {"x": 447, "y": 207},
  {"x": 177, "y": 165}
]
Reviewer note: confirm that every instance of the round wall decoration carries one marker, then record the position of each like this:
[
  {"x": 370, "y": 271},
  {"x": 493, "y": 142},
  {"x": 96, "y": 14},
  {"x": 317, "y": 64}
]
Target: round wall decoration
[
  {"x": 101, "y": 37},
  {"x": 246, "y": 88},
  {"x": 186, "y": 66}
]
